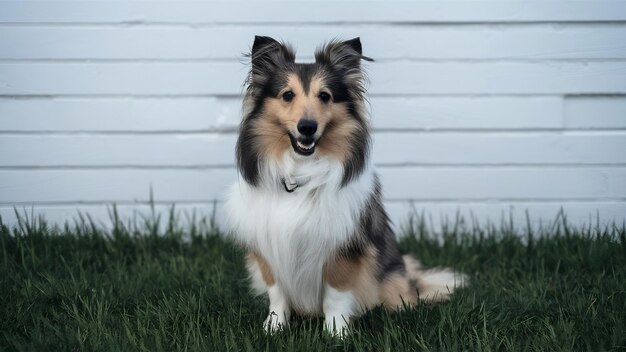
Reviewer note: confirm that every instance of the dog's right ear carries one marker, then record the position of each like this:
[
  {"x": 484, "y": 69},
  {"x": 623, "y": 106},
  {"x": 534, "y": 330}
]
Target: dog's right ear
[
  {"x": 261, "y": 42},
  {"x": 267, "y": 55}
]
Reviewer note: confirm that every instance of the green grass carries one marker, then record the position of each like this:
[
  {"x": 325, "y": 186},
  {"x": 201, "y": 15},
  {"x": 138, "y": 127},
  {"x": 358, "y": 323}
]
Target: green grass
[{"x": 136, "y": 287}]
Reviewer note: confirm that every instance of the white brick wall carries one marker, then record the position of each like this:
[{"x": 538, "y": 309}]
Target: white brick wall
[{"x": 482, "y": 107}]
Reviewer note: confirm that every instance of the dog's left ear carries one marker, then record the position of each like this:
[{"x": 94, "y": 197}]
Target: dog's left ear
[
  {"x": 343, "y": 55},
  {"x": 355, "y": 44}
]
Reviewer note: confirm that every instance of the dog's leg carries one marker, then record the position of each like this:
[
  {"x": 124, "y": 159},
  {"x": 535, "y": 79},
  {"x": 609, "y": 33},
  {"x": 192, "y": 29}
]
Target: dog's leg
[
  {"x": 263, "y": 281},
  {"x": 351, "y": 288},
  {"x": 279, "y": 310},
  {"x": 339, "y": 308}
]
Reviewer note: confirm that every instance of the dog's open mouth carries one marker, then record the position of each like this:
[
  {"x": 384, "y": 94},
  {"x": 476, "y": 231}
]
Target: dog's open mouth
[{"x": 303, "y": 146}]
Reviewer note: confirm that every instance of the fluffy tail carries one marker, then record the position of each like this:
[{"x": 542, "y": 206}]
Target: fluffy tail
[{"x": 433, "y": 285}]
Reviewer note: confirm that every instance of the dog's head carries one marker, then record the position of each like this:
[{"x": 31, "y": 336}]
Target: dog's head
[{"x": 309, "y": 109}]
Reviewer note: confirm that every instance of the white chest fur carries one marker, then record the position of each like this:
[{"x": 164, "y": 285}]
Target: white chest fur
[{"x": 296, "y": 232}]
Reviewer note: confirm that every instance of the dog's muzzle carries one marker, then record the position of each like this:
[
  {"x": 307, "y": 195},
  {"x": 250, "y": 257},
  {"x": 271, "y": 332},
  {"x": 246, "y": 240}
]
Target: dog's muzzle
[{"x": 305, "y": 143}]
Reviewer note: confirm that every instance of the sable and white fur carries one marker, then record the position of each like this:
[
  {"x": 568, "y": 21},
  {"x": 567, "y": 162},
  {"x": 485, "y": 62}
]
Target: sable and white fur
[{"x": 308, "y": 204}]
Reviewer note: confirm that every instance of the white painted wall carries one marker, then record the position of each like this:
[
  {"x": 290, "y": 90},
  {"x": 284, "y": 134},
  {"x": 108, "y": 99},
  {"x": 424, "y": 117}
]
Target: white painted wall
[{"x": 480, "y": 107}]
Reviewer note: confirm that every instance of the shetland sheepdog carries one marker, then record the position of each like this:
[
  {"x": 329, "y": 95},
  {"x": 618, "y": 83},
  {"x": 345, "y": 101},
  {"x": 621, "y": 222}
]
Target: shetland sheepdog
[{"x": 308, "y": 205}]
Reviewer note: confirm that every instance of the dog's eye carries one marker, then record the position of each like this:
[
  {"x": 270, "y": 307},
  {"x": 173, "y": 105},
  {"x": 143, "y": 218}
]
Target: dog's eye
[
  {"x": 324, "y": 97},
  {"x": 288, "y": 96}
]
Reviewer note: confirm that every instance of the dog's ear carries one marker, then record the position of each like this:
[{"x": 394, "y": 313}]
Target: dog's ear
[
  {"x": 355, "y": 44},
  {"x": 261, "y": 42},
  {"x": 342, "y": 55},
  {"x": 267, "y": 54}
]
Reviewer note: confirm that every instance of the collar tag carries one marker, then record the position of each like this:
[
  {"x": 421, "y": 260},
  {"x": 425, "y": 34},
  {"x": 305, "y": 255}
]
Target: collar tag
[{"x": 289, "y": 186}]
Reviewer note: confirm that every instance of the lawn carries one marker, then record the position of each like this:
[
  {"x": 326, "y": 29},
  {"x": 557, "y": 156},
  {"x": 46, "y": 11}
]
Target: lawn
[{"x": 157, "y": 287}]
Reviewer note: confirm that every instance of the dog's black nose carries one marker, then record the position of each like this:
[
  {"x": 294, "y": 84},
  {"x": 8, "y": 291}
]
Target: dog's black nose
[{"x": 307, "y": 127}]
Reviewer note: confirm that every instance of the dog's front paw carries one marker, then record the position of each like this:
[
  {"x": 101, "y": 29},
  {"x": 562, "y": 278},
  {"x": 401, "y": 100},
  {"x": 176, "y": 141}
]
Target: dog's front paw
[
  {"x": 274, "y": 322},
  {"x": 337, "y": 327}
]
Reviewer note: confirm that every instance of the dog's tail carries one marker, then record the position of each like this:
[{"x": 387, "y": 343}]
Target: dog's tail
[{"x": 433, "y": 285}]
